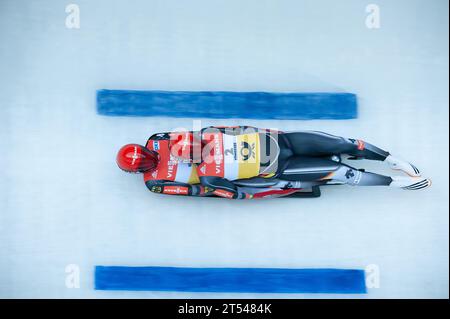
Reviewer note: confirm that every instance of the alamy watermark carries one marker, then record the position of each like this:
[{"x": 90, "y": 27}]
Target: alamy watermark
[
  {"x": 373, "y": 18},
  {"x": 72, "y": 276},
  {"x": 372, "y": 276},
  {"x": 73, "y": 16}
]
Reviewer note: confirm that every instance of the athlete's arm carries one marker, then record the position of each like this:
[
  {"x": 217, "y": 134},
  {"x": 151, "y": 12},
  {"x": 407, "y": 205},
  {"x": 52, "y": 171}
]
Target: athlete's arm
[
  {"x": 175, "y": 188},
  {"x": 223, "y": 187}
]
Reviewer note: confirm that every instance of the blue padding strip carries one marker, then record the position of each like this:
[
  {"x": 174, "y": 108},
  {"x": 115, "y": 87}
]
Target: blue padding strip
[
  {"x": 256, "y": 280},
  {"x": 246, "y": 105}
]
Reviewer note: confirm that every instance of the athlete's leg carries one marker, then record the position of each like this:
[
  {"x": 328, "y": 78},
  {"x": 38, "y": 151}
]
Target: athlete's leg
[
  {"x": 313, "y": 143},
  {"x": 302, "y": 171},
  {"x": 320, "y": 170},
  {"x": 352, "y": 176}
]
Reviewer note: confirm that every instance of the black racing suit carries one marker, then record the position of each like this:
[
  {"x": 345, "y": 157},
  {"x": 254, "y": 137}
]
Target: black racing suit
[{"x": 310, "y": 157}]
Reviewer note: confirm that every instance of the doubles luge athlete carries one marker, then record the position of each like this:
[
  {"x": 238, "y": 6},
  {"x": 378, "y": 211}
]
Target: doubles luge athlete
[{"x": 245, "y": 162}]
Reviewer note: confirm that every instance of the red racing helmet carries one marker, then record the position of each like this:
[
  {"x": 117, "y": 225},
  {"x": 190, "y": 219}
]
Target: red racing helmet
[{"x": 135, "y": 158}]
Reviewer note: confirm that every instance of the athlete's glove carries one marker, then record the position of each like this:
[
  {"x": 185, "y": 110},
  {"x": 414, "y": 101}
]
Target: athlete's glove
[{"x": 241, "y": 194}]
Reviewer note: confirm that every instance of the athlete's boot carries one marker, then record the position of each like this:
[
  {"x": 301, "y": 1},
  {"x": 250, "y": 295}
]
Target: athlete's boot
[
  {"x": 398, "y": 164},
  {"x": 410, "y": 183}
]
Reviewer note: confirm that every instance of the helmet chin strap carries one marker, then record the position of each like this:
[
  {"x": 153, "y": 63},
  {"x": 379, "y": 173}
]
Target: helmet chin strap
[{"x": 150, "y": 170}]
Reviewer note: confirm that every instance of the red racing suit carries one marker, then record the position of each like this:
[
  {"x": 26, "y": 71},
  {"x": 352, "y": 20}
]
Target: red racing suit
[
  {"x": 227, "y": 154},
  {"x": 171, "y": 175}
]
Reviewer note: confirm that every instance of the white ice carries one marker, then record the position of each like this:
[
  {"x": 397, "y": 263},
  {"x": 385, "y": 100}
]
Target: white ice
[{"x": 64, "y": 201}]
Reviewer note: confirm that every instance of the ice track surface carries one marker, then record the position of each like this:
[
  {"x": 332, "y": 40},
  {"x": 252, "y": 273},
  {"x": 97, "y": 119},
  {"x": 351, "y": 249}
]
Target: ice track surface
[{"x": 63, "y": 200}]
